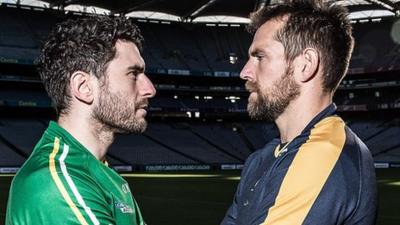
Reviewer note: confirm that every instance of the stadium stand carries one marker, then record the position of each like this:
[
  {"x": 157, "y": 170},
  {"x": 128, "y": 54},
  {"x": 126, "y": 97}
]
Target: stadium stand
[
  {"x": 17, "y": 139},
  {"x": 191, "y": 142},
  {"x": 8, "y": 157},
  {"x": 381, "y": 137},
  {"x": 163, "y": 143},
  {"x": 15, "y": 132},
  {"x": 212, "y": 90},
  {"x": 191, "y": 48},
  {"x": 198, "y": 119},
  {"x": 141, "y": 150},
  {"x": 178, "y": 137}
]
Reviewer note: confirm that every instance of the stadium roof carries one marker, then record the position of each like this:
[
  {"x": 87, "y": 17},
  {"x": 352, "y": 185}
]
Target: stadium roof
[{"x": 192, "y": 10}]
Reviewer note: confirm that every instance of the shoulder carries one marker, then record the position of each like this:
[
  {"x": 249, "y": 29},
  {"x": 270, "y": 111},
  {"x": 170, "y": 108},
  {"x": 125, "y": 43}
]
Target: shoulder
[
  {"x": 328, "y": 134},
  {"x": 47, "y": 189},
  {"x": 356, "y": 143},
  {"x": 332, "y": 141},
  {"x": 46, "y": 174},
  {"x": 32, "y": 188},
  {"x": 357, "y": 157}
]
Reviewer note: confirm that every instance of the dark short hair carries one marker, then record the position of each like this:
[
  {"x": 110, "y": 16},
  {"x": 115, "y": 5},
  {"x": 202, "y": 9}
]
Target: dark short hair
[
  {"x": 318, "y": 24},
  {"x": 82, "y": 44}
]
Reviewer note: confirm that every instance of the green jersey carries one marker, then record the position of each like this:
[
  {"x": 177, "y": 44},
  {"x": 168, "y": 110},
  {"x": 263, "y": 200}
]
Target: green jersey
[{"x": 63, "y": 183}]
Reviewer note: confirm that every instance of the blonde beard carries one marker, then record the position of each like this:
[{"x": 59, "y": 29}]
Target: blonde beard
[{"x": 270, "y": 103}]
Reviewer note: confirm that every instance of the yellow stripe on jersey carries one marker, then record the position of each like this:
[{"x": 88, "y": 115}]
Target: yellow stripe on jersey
[
  {"x": 308, "y": 173},
  {"x": 59, "y": 184}
]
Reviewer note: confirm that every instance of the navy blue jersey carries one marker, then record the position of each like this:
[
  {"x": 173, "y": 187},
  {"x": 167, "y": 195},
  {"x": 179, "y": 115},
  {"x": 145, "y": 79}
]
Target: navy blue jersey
[{"x": 324, "y": 176}]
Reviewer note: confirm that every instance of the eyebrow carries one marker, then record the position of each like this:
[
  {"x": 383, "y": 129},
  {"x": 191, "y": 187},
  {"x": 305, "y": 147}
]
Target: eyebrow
[
  {"x": 256, "y": 52},
  {"x": 138, "y": 68}
]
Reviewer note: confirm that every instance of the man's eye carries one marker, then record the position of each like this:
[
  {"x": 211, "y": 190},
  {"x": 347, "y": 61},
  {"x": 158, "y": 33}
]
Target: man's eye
[
  {"x": 259, "y": 57},
  {"x": 133, "y": 74}
]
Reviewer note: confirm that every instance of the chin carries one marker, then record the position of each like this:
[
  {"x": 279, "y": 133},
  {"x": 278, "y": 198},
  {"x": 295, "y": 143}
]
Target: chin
[
  {"x": 134, "y": 126},
  {"x": 253, "y": 95},
  {"x": 252, "y": 102}
]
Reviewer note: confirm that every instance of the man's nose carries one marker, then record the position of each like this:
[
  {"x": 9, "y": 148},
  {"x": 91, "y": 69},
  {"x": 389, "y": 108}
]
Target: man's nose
[
  {"x": 247, "y": 72},
  {"x": 146, "y": 88}
]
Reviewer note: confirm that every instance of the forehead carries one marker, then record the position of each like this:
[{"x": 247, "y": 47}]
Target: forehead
[
  {"x": 264, "y": 37},
  {"x": 128, "y": 52}
]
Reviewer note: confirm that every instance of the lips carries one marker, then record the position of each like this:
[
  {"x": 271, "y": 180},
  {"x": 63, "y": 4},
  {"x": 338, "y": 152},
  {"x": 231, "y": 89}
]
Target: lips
[
  {"x": 251, "y": 87},
  {"x": 141, "y": 112},
  {"x": 143, "y": 104},
  {"x": 144, "y": 107},
  {"x": 141, "y": 108}
]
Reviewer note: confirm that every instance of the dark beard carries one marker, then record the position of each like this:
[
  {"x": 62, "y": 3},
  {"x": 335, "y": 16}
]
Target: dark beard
[
  {"x": 117, "y": 114},
  {"x": 269, "y": 106}
]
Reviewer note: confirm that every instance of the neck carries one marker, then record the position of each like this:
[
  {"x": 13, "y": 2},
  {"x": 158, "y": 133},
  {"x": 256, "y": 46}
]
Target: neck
[
  {"x": 90, "y": 133},
  {"x": 299, "y": 113}
]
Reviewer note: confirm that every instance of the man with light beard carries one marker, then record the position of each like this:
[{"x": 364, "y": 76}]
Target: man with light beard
[
  {"x": 93, "y": 71},
  {"x": 318, "y": 172}
]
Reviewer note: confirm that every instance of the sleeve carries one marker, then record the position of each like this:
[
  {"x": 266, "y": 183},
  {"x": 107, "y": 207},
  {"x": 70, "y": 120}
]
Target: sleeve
[
  {"x": 53, "y": 187},
  {"x": 68, "y": 201},
  {"x": 366, "y": 209},
  {"x": 232, "y": 213}
]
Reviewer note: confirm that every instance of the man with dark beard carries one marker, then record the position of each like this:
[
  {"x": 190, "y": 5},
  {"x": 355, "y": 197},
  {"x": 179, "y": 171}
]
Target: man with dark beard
[
  {"x": 93, "y": 71},
  {"x": 318, "y": 172}
]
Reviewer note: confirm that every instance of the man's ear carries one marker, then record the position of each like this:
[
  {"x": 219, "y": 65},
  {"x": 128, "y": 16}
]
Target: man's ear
[
  {"x": 310, "y": 64},
  {"x": 81, "y": 87}
]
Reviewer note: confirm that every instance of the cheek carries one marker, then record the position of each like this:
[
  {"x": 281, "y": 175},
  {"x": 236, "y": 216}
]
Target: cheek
[
  {"x": 263, "y": 83},
  {"x": 268, "y": 77},
  {"x": 264, "y": 73},
  {"x": 272, "y": 67},
  {"x": 128, "y": 89}
]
